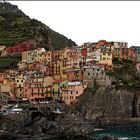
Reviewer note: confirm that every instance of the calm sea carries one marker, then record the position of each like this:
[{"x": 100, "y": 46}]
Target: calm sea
[{"x": 122, "y": 132}]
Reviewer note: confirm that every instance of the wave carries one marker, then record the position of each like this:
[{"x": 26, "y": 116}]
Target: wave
[
  {"x": 98, "y": 129},
  {"x": 128, "y": 138},
  {"x": 98, "y": 137}
]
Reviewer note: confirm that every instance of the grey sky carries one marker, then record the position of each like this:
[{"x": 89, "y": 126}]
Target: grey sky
[{"x": 88, "y": 21}]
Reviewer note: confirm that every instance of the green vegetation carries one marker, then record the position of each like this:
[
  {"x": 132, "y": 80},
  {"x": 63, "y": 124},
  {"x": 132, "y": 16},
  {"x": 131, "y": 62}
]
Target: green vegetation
[
  {"x": 10, "y": 61},
  {"x": 16, "y": 27},
  {"x": 126, "y": 73},
  {"x": 111, "y": 73}
]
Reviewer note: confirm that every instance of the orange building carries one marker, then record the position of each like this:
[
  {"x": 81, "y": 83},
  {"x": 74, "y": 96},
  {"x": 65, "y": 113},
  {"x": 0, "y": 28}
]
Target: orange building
[{"x": 127, "y": 53}]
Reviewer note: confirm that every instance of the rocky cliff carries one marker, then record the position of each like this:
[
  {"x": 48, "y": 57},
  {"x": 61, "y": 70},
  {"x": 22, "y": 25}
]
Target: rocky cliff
[{"x": 108, "y": 105}]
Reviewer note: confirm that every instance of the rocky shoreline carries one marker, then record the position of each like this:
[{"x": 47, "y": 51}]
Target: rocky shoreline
[{"x": 69, "y": 127}]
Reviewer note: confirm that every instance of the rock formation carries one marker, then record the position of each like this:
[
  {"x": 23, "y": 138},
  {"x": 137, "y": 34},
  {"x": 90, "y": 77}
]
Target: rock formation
[{"x": 108, "y": 105}]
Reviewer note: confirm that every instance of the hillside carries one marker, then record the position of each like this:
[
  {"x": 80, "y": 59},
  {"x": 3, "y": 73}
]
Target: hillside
[{"x": 16, "y": 27}]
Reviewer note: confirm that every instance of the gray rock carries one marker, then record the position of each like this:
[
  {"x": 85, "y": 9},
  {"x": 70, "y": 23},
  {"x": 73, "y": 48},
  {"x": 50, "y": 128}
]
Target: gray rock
[{"x": 106, "y": 105}]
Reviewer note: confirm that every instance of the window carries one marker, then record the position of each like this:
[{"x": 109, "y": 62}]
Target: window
[
  {"x": 97, "y": 74},
  {"x": 76, "y": 92},
  {"x": 88, "y": 73},
  {"x": 71, "y": 92}
]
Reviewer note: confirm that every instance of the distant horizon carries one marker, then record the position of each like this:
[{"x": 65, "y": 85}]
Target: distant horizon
[{"x": 88, "y": 21}]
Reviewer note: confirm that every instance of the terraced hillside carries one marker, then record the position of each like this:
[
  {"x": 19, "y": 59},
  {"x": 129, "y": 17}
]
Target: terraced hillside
[
  {"x": 10, "y": 61},
  {"x": 17, "y": 27}
]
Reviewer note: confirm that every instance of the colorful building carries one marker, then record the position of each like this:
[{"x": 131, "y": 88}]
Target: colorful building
[
  {"x": 105, "y": 57},
  {"x": 33, "y": 55},
  {"x": 75, "y": 74},
  {"x": 123, "y": 53},
  {"x": 19, "y": 81},
  {"x": 46, "y": 57},
  {"x": 72, "y": 91},
  {"x": 19, "y": 48},
  {"x": 74, "y": 62},
  {"x": 132, "y": 54},
  {"x": 38, "y": 89},
  {"x": 57, "y": 85},
  {"x": 137, "y": 51}
]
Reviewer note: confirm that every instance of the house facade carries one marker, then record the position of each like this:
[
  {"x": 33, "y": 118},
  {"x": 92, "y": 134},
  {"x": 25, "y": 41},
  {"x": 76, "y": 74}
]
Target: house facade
[{"x": 72, "y": 91}]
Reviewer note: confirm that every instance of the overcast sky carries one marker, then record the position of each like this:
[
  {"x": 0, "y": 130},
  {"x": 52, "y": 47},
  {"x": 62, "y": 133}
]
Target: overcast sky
[{"x": 88, "y": 21}]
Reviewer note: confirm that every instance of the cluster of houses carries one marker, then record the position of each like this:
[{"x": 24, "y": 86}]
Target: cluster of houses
[{"x": 64, "y": 74}]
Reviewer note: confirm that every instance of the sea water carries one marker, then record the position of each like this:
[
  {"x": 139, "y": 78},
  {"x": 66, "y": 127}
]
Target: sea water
[{"x": 122, "y": 132}]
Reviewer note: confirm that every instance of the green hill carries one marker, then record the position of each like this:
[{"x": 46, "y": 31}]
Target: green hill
[{"x": 16, "y": 27}]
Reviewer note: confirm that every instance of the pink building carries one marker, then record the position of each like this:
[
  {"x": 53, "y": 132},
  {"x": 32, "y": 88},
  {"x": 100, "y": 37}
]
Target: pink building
[
  {"x": 72, "y": 91},
  {"x": 38, "y": 89}
]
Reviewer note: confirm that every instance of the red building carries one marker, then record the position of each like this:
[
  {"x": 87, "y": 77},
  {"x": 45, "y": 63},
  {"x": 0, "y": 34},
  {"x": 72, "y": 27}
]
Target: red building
[
  {"x": 19, "y": 48},
  {"x": 84, "y": 52},
  {"x": 102, "y": 43}
]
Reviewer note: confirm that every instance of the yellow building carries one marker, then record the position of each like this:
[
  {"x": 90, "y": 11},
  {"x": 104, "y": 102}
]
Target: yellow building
[
  {"x": 20, "y": 80},
  {"x": 59, "y": 69},
  {"x": 22, "y": 65},
  {"x": 105, "y": 57},
  {"x": 5, "y": 87}
]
